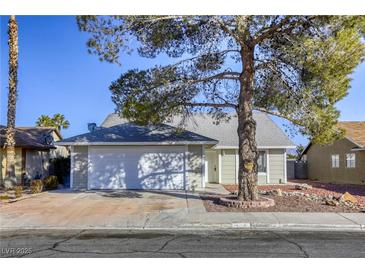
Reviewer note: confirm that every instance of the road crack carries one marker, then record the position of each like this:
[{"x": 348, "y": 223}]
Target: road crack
[
  {"x": 293, "y": 243},
  {"x": 53, "y": 247}
]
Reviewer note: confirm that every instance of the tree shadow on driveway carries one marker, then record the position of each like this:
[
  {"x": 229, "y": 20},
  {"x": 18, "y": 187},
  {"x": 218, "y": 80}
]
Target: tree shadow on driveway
[{"x": 123, "y": 193}]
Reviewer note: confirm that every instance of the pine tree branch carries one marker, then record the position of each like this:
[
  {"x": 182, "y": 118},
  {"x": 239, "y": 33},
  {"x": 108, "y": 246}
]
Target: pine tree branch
[
  {"x": 214, "y": 105},
  {"x": 284, "y": 26},
  {"x": 280, "y": 115}
]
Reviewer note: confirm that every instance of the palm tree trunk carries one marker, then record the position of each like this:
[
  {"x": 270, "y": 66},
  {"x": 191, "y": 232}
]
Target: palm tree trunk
[{"x": 10, "y": 179}]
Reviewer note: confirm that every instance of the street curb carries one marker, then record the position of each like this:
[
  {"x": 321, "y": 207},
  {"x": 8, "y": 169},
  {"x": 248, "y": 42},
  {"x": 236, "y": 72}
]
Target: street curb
[
  {"x": 10, "y": 201},
  {"x": 214, "y": 227},
  {"x": 283, "y": 227}
]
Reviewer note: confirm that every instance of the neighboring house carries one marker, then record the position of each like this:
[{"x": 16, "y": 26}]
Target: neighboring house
[
  {"x": 34, "y": 147},
  {"x": 123, "y": 155},
  {"x": 340, "y": 162}
]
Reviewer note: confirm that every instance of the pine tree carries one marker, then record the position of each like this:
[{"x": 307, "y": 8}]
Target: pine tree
[{"x": 294, "y": 67}]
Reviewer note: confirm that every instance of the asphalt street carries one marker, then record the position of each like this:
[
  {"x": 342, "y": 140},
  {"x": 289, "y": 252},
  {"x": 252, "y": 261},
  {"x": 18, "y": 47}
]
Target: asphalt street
[{"x": 148, "y": 244}]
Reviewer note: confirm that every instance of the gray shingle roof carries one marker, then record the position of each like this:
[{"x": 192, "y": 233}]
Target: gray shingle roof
[
  {"x": 268, "y": 134},
  {"x": 132, "y": 133},
  {"x": 30, "y": 137}
]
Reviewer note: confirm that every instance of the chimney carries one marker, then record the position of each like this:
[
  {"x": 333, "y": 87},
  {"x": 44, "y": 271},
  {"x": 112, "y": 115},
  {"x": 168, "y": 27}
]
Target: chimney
[{"x": 91, "y": 127}]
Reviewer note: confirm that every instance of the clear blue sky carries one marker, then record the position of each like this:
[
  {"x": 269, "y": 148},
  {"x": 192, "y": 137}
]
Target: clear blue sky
[{"x": 56, "y": 74}]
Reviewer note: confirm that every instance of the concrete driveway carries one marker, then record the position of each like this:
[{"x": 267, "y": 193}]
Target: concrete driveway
[{"x": 127, "y": 209}]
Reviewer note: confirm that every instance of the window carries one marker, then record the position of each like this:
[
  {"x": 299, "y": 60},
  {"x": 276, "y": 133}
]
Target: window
[
  {"x": 350, "y": 160},
  {"x": 335, "y": 160},
  {"x": 261, "y": 162}
]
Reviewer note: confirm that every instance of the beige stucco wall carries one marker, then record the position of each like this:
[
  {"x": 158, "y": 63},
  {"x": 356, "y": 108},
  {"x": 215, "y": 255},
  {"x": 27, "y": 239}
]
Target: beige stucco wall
[
  {"x": 319, "y": 163},
  {"x": 276, "y": 166},
  {"x": 79, "y": 167},
  {"x": 37, "y": 162},
  {"x": 194, "y": 166},
  {"x": 18, "y": 163}
]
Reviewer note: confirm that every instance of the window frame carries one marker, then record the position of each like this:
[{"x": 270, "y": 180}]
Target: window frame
[
  {"x": 265, "y": 153},
  {"x": 351, "y": 160},
  {"x": 335, "y": 158}
]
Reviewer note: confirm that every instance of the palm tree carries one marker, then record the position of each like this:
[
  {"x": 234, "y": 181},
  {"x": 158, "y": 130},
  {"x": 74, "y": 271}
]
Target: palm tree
[
  {"x": 10, "y": 178},
  {"x": 44, "y": 121},
  {"x": 60, "y": 121},
  {"x": 57, "y": 121}
]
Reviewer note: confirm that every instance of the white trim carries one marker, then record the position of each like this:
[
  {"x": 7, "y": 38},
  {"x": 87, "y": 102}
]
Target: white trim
[
  {"x": 237, "y": 166},
  {"x": 285, "y": 175},
  {"x": 220, "y": 166},
  {"x": 267, "y": 166},
  {"x": 357, "y": 149},
  {"x": 72, "y": 166},
  {"x": 346, "y": 161},
  {"x": 186, "y": 183},
  {"x": 88, "y": 167},
  {"x": 352, "y": 141},
  {"x": 258, "y": 147},
  {"x": 203, "y": 167},
  {"x": 135, "y": 143},
  {"x": 333, "y": 160},
  {"x": 206, "y": 171}
]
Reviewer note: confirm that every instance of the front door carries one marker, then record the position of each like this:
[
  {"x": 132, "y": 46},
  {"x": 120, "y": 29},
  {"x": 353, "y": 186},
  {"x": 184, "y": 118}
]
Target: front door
[{"x": 212, "y": 163}]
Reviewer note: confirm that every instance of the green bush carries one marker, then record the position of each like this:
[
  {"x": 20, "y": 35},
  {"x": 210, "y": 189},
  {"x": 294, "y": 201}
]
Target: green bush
[
  {"x": 4, "y": 197},
  {"x": 50, "y": 182},
  {"x": 36, "y": 186}
]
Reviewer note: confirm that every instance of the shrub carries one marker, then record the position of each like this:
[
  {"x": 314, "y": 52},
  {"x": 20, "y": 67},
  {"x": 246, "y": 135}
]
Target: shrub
[
  {"x": 50, "y": 182},
  {"x": 18, "y": 191},
  {"x": 4, "y": 197},
  {"x": 36, "y": 186}
]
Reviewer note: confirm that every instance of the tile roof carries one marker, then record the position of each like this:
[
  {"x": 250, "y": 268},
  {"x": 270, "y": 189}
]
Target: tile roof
[
  {"x": 355, "y": 131},
  {"x": 29, "y": 137}
]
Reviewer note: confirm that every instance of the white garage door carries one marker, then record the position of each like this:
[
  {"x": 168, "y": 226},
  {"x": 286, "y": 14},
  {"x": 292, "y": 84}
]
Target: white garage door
[{"x": 136, "y": 167}]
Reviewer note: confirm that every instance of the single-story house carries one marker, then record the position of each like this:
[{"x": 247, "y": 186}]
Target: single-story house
[
  {"x": 123, "y": 155},
  {"x": 34, "y": 147},
  {"x": 343, "y": 161}
]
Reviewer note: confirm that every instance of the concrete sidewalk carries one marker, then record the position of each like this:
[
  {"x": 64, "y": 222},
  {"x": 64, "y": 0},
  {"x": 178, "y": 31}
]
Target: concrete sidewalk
[
  {"x": 157, "y": 210},
  {"x": 192, "y": 216}
]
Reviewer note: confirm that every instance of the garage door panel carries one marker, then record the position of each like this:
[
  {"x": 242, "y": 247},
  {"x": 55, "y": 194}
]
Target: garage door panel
[{"x": 148, "y": 167}]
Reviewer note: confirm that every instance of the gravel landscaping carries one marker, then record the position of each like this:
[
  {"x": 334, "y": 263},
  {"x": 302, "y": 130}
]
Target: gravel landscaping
[
  {"x": 282, "y": 204},
  {"x": 318, "y": 188},
  {"x": 300, "y": 196}
]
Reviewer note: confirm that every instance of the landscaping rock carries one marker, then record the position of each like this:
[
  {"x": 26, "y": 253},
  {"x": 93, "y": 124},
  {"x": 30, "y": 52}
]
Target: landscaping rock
[
  {"x": 332, "y": 202},
  {"x": 347, "y": 197},
  {"x": 277, "y": 192},
  {"x": 303, "y": 187}
]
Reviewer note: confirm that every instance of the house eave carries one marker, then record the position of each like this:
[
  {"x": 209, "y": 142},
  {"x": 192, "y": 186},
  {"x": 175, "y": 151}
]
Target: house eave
[
  {"x": 259, "y": 147},
  {"x": 358, "y": 149},
  {"x": 135, "y": 143}
]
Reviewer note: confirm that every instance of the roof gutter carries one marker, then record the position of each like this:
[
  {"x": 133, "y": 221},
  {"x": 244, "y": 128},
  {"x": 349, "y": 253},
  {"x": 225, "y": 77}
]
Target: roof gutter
[
  {"x": 135, "y": 143},
  {"x": 259, "y": 147},
  {"x": 358, "y": 149}
]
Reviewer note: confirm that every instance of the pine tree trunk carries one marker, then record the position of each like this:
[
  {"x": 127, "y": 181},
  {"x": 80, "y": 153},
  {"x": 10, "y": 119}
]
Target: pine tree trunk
[
  {"x": 10, "y": 177},
  {"x": 248, "y": 153}
]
